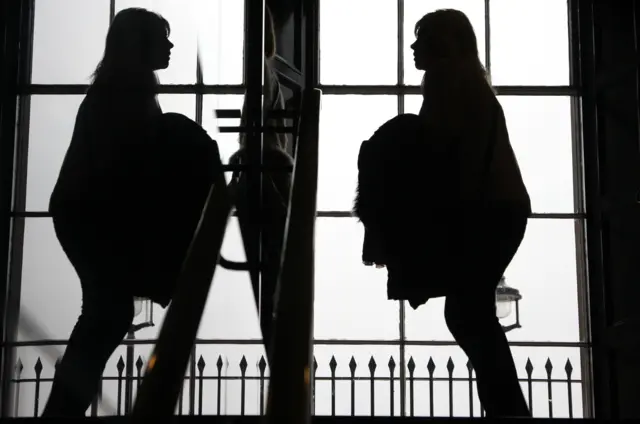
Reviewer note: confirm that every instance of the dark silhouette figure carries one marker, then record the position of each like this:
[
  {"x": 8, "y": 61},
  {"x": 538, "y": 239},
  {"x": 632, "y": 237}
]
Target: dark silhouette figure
[
  {"x": 127, "y": 200},
  {"x": 444, "y": 205},
  {"x": 276, "y": 185}
]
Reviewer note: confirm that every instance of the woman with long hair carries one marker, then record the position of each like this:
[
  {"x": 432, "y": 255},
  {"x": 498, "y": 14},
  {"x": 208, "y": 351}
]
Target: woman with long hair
[
  {"x": 127, "y": 200},
  {"x": 444, "y": 203},
  {"x": 486, "y": 198}
]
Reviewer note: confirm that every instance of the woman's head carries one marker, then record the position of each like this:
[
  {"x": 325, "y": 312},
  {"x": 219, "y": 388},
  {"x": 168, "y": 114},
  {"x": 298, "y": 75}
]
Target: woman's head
[
  {"x": 137, "y": 43},
  {"x": 445, "y": 38},
  {"x": 456, "y": 91}
]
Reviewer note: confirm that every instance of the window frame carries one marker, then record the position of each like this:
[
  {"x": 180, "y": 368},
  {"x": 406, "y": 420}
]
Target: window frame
[{"x": 400, "y": 90}]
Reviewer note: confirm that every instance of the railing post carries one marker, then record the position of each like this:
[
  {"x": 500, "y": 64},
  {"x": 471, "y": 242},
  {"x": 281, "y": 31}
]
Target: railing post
[
  {"x": 120, "y": 366},
  {"x": 128, "y": 388},
  {"x": 38, "y": 370},
  {"x": 568, "y": 368},
  {"x": 529, "y": 370},
  {"x": 431, "y": 367}
]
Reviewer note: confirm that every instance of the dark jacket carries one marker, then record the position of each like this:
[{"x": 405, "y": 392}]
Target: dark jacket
[
  {"x": 389, "y": 164},
  {"x": 129, "y": 195},
  {"x": 404, "y": 202},
  {"x": 418, "y": 221}
]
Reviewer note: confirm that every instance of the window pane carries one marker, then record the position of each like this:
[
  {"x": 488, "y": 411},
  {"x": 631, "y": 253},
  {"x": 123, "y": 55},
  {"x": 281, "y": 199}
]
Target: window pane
[
  {"x": 524, "y": 52},
  {"x": 541, "y": 136},
  {"x": 227, "y": 142},
  {"x": 350, "y": 299},
  {"x": 231, "y": 311},
  {"x": 51, "y": 295},
  {"x": 213, "y": 26},
  {"x": 68, "y": 40},
  {"x": 558, "y": 356},
  {"x": 540, "y": 132},
  {"x": 362, "y": 356},
  {"x": 414, "y": 10},
  {"x": 50, "y": 129},
  {"x": 366, "y": 53},
  {"x": 346, "y": 121},
  {"x": 544, "y": 270}
]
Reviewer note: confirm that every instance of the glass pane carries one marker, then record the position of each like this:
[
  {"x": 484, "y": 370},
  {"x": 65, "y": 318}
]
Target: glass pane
[
  {"x": 231, "y": 312},
  {"x": 350, "y": 298},
  {"x": 414, "y": 10},
  {"x": 522, "y": 51},
  {"x": 462, "y": 386},
  {"x": 346, "y": 121},
  {"x": 51, "y": 295},
  {"x": 541, "y": 136},
  {"x": 540, "y": 132},
  {"x": 362, "y": 54},
  {"x": 215, "y": 27},
  {"x": 68, "y": 40},
  {"x": 544, "y": 270},
  {"x": 51, "y": 126},
  {"x": 363, "y": 402},
  {"x": 227, "y": 142}
]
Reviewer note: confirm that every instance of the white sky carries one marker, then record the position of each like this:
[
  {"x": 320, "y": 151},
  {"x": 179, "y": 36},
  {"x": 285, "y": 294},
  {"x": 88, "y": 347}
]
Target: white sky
[{"x": 529, "y": 46}]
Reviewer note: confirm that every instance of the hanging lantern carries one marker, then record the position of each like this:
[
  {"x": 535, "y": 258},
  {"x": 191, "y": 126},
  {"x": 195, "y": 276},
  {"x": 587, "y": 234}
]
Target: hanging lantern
[
  {"x": 506, "y": 298},
  {"x": 143, "y": 314}
]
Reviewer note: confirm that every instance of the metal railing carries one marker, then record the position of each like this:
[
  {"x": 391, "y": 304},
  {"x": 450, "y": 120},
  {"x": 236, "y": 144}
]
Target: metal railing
[{"x": 218, "y": 384}]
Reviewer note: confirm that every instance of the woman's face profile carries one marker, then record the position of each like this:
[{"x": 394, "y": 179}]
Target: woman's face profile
[
  {"x": 160, "y": 50},
  {"x": 419, "y": 56}
]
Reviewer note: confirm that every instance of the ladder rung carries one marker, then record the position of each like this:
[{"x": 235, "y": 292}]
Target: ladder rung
[
  {"x": 249, "y": 167},
  {"x": 267, "y": 129},
  {"x": 227, "y": 113},
  {"x": 237, "y": 114}
]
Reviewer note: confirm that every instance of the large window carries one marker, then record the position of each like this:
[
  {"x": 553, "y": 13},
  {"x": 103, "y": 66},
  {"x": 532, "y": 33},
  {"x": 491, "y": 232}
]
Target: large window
[
  {"x": 367, "y": 76},
  {"x": 529, "y": 67}
]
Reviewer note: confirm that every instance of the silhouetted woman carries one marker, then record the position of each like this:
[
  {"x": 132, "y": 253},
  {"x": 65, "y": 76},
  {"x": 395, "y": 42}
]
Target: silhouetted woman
[
  {"x": 127, "y": 200},
  {"x": 275, "y": 188},
  {"x": 452, "y": 206}
]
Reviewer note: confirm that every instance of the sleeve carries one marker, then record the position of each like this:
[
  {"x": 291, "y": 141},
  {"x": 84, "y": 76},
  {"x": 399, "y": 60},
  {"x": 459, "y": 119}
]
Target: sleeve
[{"x": 370, "y": 185}]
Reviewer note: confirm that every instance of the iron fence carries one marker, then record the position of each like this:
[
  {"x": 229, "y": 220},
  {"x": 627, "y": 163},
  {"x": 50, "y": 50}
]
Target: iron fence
[{"x": 560, "y": 393}]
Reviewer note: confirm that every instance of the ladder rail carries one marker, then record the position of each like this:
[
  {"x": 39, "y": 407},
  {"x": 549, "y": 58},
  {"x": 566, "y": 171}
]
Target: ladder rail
[
  {"x": 164, "y": 376},
  {"x": 292, "y": 345}
]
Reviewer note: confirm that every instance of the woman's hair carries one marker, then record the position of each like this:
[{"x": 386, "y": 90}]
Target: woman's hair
[
  {"x": 126, "y": 55},
  {"x": 455, "y": 86}
]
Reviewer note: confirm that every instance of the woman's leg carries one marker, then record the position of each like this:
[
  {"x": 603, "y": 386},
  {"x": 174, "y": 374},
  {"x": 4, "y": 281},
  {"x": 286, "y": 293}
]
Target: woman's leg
[
  {"x": 106, "y": 317},
  {"x": 470, "y": 314},
  {"x": 471, "y": 318}
]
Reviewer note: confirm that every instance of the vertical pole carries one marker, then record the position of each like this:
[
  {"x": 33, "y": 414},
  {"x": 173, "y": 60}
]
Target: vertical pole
[
  {"x": 128, "y": 380},
  {"x": 575, "y": 76},
  {"x": 487, "y": 36},
  {"x": 9, "y": 58},
  {"x": 254, "y": 80},
  {"x": 602, "y": 385},
  {"x": 311, "y": 48},
  {"x": 24, "y": 31},
  {"x": 402, "y": 318}
]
